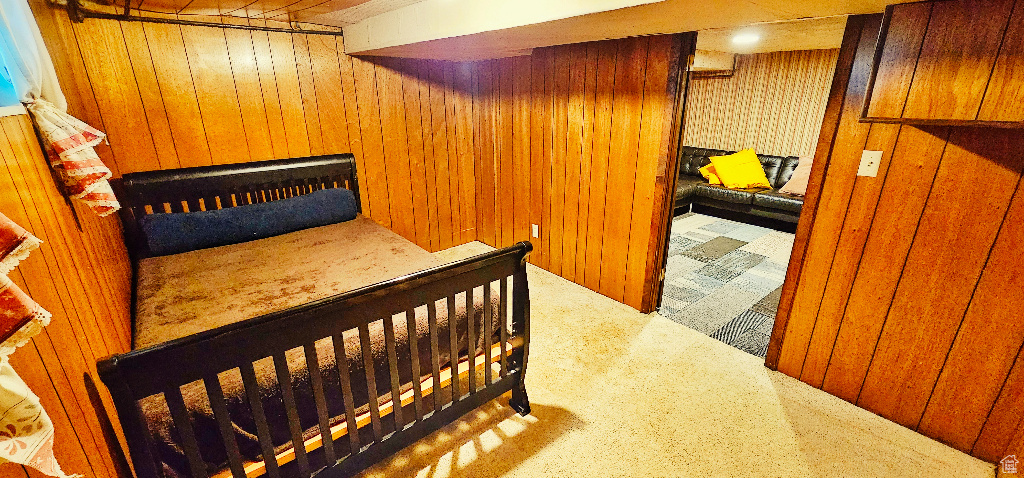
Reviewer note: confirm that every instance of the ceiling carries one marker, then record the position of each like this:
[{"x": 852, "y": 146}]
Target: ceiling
[
  {"x": 417, "y": 39},
  {"x": 480, "y": 29},
  {"x": 806, "y": 34}
]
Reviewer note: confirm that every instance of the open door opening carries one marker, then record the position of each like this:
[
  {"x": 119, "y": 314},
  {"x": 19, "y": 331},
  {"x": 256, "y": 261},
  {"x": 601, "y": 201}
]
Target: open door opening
[{"x": 755, "y": 103}]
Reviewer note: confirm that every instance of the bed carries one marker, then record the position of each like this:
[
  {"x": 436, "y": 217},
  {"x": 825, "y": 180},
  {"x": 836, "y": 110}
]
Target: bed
[{"x": 219, "y": 382}]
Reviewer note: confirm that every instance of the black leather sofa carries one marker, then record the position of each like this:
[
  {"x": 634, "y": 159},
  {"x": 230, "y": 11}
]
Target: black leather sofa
[{"x": 768, "y": 207}]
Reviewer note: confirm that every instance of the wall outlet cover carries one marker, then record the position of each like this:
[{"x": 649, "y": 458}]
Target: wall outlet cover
[
  {"x": 869, "y": 163},
  {"x": 536, "y": 230}
]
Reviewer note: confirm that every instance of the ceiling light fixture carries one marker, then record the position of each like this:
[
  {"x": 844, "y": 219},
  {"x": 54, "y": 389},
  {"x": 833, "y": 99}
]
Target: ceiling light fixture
[{"x": 746, "y": 38}]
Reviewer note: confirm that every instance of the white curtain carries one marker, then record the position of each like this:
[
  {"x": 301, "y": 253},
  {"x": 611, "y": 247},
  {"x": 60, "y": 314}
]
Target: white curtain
[{"x": 26, "y": 62}]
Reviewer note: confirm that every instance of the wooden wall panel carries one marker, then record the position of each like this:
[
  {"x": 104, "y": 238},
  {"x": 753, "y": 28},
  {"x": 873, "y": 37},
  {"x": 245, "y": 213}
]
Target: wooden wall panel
[
  {"x": 772, "y": 102},
  {"x": 903, "y": 301},
  {"x": 595, "y": 137},
  {"x": 177, "y": 96},
  {"x": 82, "y": 277}
]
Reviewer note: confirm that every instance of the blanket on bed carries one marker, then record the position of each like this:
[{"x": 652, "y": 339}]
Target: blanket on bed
[{"x": 182, "y": 294}]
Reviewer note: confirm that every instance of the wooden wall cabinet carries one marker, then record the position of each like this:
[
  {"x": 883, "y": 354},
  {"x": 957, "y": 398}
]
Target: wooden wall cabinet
[{"x": 949, "y": 62}]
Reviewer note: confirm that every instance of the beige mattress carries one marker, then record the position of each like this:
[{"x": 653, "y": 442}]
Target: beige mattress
[{"x": 182, "y": 294}]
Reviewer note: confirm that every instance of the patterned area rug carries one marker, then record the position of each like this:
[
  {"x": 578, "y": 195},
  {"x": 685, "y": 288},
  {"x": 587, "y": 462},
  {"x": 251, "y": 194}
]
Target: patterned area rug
[{"x": 724, "y": 279}]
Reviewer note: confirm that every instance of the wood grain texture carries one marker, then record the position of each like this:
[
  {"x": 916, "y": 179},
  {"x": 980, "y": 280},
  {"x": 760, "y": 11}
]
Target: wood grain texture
[
  {"x": 1005, "y": 93},
  {"x": 82, "y": 277},
  {"x": 896, "y": 65},
  {"x": 956, "y": 60},
  {"x": 835, "y": 197},
  {"x": 928, "y": 308},
  {"x": 598, "y": 123},
  {"x": 984, "y": 348},
  {"x": 177, "y": 96},
  {"x": 910, "y": 316}
]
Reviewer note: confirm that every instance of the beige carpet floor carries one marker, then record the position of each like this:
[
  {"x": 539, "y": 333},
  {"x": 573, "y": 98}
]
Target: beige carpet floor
[{"x": 620, "y": 393}]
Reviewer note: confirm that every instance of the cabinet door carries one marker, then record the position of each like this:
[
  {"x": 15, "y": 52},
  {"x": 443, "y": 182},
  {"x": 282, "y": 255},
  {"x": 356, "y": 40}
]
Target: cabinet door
[
  {"x": 956, "y": 60},
  {"x": 895, "y": 68},
  {"x": 1004, "y": 98}
]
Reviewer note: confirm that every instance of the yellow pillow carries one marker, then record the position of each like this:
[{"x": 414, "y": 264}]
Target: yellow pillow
[
  {"x": 709, "y": 173},
  {"x": 740, "y": 170}
]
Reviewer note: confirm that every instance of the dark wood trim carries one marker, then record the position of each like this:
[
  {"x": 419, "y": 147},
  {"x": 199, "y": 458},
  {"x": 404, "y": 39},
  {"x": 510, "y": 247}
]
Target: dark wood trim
[
  {"x": 877, "y": 58},
  {"x": 654, "y": 278},
  {"x": 822, "y": 155},
  {"x": 244, "y": 183},
  {"x": 934, "y": 122}
]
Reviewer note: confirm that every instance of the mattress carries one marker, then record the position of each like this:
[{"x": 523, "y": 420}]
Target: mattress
[{"x": 182, "y": 294}]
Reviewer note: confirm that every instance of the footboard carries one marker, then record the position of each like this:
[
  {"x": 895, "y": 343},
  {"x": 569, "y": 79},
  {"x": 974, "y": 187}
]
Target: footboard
[{"x": 337, "y": 445}]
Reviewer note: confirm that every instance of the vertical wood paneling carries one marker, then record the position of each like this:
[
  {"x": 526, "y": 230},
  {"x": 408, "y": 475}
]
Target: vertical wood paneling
[
  {"x": 599, "y": 194},
  {"x": 179, "y": 93},
  {"x": 984, "y": 349},
  {"x": 117, "y": 95},
  {"x": 521, "y": 153},
  {"x": 539, "y": 158},
  {"x": 465, "y": 144},
  {"x": 245, "y": 72},
  {"x": 445, "y": 202},
  {"x": 592, "y": 124},
  {"x": 210, "y": 66},
  {"x": 928, "y": 308},
  {"x": 625, "y": 144},
  {"x": 835, "y": 196},
  {"x": 905, "y": 300},
  {"x": 772, "y": 102},
  {"x": 85, "y": 289}
]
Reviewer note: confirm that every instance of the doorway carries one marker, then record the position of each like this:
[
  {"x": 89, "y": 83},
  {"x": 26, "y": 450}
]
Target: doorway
[{"x": 760, "y": 87}]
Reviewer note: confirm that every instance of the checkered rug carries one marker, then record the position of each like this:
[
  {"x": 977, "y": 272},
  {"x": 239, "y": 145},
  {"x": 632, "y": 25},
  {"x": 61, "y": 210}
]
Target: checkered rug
[{"x": 724, "y": 279}]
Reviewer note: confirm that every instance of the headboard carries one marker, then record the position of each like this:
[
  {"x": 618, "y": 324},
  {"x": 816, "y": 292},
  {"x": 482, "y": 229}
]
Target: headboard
[{"x": 216, "y": 187}]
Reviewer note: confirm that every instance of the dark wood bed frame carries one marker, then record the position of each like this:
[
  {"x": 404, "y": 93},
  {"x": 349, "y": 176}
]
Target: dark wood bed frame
[{"x": 164, "y": 368}]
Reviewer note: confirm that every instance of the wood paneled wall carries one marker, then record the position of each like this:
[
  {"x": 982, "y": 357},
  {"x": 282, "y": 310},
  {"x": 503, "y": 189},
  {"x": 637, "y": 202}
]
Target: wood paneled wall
[
  {"x": 172, "y": 96},
  {"x": 577, "y": 139},
  {"x": 440, "y": 146},
  {"x": 82, "y": 276},
  {"x": 908, "y": 285},
  {"x": 773, "y": 102}
]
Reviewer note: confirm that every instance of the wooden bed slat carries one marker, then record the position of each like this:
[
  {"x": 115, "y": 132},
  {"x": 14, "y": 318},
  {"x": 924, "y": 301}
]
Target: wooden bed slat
[
  {"x": 284, "y": 382},
  {"x": 262, "y": 429},
  {"x": 453, "y": 344},
  {"x": 486, "y": 319},
  {"x": 435, "y": 354},
  {"x": 184, "y": 426},
  {"x": 503, "y": 306},
  {"x": 414, "y": 348},
  {"x": 389, "y": 344},
  {"x": 346, "y": 389},
  {"x": 316, "y": 382},
  {"x": 471, "y": 330},
  {"x": 227, "y": 434},
  {"x": 253, "y": 470},
  {"x": 371, "y": 380}
]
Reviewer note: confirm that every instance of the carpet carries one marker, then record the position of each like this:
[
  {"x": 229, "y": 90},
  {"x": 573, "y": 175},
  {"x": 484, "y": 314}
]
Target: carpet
[
  {"x": 617, "y": 393},
  {"x": 724, "y": 279}
]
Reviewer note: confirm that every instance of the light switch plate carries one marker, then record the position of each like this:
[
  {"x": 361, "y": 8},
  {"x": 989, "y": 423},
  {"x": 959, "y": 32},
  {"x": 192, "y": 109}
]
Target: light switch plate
[
  {"x": 869, "y": 163},
  {"x": 536, "y": 230}
]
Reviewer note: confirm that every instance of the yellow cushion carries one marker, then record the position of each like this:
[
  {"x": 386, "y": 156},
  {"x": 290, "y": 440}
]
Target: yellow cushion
[
  {"x": 709, "y": 173},
  {"x": 740, "y": 170}
]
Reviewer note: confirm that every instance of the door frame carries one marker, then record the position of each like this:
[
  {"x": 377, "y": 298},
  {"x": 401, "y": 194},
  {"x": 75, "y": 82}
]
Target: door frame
[{"x": 668, "y": 174}]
